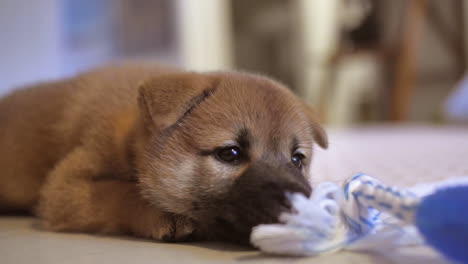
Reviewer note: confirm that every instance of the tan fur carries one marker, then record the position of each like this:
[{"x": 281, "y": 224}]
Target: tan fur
[{"x": 117, "y": 150}]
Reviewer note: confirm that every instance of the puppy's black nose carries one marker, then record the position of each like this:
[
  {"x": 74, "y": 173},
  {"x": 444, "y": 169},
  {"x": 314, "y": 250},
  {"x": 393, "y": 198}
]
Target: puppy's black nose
[
  {"x": 259, "y": 197},
  {"x": 266, "y": 179}
]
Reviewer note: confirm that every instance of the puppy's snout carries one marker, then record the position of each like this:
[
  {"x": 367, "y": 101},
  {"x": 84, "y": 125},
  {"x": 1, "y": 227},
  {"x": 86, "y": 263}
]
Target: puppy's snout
[
  {"x": 259, "y": 197},
  {"x": 268, "y": 178}
]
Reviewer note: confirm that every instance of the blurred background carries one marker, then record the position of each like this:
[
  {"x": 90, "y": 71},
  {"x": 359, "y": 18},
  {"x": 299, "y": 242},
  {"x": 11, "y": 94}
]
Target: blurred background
[{"x": 356, "y": 61}]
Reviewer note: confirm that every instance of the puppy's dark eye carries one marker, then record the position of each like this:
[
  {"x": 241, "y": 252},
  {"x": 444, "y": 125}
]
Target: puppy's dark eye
[
  {"x": 229, "y": 154},
  {"x": 297, "y": 159}
]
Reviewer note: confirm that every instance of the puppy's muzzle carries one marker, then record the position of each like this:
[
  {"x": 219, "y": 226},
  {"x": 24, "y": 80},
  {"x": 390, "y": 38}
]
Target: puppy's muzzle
[{"x": 258, "y": 197}]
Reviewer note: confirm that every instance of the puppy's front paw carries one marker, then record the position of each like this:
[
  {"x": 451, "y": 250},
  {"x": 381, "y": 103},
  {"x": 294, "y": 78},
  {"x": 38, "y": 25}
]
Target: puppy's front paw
[{"x": 180, "y": 229}]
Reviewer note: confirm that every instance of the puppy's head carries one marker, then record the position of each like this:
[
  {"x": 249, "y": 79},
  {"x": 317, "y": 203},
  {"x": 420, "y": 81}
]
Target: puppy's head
[{"x": 224, "y": 148}]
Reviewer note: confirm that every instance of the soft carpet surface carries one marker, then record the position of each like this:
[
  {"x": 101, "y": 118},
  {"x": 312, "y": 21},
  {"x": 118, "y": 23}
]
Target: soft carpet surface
[{"x": 402, "y": 156}]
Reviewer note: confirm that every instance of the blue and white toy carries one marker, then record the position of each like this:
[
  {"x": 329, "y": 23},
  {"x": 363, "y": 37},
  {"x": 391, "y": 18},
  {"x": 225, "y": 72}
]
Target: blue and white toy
[{"x": 335, "y": 218}]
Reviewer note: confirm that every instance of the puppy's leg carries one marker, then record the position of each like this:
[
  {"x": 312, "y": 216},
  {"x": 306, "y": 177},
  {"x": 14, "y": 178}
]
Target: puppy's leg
[{"x": 73, "y": 199}]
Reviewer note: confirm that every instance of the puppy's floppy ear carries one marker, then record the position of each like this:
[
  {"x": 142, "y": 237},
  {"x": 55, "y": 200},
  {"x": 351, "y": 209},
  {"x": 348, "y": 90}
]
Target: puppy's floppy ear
[
  {"x": 165, "y": 99},
  {"x": 320, "y": 136}
]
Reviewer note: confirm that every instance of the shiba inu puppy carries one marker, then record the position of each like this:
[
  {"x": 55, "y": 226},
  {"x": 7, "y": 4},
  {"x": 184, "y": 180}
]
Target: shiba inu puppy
[{"x": 155, "y": 153}]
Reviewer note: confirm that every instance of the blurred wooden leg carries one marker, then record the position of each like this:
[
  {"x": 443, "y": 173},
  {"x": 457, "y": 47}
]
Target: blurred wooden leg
[
  {"x": 405, "y": 79},
  {"x": 205, "y": 34}
]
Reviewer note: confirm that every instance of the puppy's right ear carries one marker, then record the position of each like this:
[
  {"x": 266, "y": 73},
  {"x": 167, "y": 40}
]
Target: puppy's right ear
[
  {"x": 320, "y": 135},
  {"x": 163, "y": 100}
]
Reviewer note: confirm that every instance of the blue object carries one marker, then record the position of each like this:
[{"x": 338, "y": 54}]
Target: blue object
[{"x": 442, "y": 219}]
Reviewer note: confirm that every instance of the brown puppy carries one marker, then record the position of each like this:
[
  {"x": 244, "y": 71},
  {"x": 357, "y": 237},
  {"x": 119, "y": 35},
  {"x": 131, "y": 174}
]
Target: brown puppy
[{"x": 155, "y": 153}]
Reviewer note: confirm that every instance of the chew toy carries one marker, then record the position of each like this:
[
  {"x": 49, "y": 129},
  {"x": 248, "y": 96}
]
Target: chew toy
[{"x": 335, "y": 218}]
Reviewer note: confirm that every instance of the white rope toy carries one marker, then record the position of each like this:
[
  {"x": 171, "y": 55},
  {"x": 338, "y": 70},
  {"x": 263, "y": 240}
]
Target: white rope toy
[{"x": 334, "y": 218}]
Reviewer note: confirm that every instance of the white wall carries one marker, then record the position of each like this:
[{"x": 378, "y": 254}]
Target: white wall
[{"x": 29, "y": 41}]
